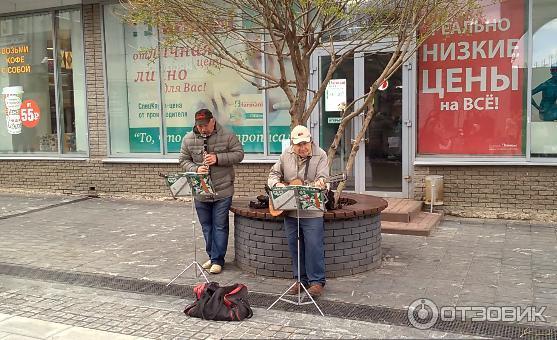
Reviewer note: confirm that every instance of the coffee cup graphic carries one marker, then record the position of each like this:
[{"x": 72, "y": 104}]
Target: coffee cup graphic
[{"x": 13, "y": 96}]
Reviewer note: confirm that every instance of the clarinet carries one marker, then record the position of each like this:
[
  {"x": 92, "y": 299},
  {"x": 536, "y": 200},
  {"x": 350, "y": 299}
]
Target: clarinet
[{"x": 205, "y": 150}]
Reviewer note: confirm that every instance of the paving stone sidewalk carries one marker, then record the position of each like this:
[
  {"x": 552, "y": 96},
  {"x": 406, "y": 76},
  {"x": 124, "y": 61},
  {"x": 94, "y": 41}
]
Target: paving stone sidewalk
[
  {"x": 465, "y": 262},
  {"x": 63, "y": 312}
]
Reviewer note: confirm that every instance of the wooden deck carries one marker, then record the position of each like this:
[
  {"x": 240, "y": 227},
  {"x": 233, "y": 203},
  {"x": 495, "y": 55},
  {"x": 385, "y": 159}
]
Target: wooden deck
[{"x": 405, "y": 216}]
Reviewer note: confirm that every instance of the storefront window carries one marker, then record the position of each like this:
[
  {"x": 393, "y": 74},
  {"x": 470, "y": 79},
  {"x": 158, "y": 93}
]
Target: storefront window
[
  {"x": 278, "y": 120},
  {"x": 154, "y": 91},
  {"x": 471, "y": 84},
  {"x": 43, "y": 85},
  {"x": 133, "y": 73},
  {"x": 192, "y": 80},
  {"x": 544, "y": 79},
  {"x": 71, "y": 81},
  {"x": 278, "y": 105}
]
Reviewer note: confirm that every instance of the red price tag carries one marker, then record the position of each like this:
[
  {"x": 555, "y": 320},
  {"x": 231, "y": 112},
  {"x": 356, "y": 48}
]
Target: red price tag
[{"x": 30, "y": 113}]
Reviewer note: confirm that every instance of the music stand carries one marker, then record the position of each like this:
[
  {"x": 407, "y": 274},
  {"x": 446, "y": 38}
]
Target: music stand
[
  {"x": 297, "y": 198},
  {"x": 189, "y": 184}
]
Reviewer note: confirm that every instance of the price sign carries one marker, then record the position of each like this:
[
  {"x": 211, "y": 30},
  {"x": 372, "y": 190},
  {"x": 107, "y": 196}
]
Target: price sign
[{"x": 30, "y": 113}]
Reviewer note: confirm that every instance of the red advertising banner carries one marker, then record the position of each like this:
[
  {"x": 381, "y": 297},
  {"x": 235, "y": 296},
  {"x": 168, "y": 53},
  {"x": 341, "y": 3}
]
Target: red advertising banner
[{"x": 470, "y": 84}]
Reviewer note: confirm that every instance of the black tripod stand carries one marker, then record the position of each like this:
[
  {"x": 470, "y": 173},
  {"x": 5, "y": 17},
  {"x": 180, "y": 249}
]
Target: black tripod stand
[
  {"x": 179, "y": 187},
  {"x": 293, "y": 203}
]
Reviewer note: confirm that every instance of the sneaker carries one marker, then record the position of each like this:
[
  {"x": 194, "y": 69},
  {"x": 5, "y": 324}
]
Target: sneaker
[
  {"x": 206, "y": 265},
  {"x": 315, "y": 290},
  {"x": 296, "y": 288},
  {"x": 215, "y": 269}
]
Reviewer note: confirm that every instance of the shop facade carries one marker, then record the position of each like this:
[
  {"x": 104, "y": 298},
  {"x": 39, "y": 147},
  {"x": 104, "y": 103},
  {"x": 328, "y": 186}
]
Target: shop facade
[{"x": 93, "y": 104}]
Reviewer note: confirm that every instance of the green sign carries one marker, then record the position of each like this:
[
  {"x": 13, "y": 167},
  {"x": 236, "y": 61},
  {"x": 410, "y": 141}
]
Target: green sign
[
  {"x": 251, "y": 138},
  {"x": 174, "y": 136},
  {"x": 145, "y": 140}
]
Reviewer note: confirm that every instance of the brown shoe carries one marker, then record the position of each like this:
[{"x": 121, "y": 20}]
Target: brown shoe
[
  {"x": 315, "y": 290},
  {"x": 296, "y": 288}
]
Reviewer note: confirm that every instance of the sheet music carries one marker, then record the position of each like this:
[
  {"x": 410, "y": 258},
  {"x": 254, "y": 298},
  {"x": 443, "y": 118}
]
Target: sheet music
[
  {"x": 310, "y": 198},
  {"x": 201, "y": 184},
  {"x": 182, "y": 183},
  {"x": 180, "y": 187},
  {"x": 283, "y": 198}
]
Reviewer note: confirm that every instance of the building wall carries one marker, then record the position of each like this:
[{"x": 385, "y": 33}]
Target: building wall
[
  {"x": 494, "y": 191},
  {"x": 94, "y": 75},
  {"x": 502, "y": 191},
  {"x": 80, "y": 176}
]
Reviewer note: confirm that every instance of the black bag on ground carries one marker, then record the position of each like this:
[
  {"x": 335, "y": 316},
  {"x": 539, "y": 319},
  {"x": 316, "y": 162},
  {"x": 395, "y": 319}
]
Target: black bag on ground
[{"x": 213, "y": 302}]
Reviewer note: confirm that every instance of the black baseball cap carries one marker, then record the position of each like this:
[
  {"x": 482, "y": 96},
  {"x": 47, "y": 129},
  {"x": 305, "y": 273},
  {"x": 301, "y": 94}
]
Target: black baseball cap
[{"x": 203, "y": 116}]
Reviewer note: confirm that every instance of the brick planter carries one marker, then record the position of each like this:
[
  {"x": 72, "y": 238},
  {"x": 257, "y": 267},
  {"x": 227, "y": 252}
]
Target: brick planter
[{"x": 352, "y": 238}]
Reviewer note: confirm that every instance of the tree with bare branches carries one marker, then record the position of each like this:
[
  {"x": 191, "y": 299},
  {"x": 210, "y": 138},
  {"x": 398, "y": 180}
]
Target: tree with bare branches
[{"x": 288, "y": 32}]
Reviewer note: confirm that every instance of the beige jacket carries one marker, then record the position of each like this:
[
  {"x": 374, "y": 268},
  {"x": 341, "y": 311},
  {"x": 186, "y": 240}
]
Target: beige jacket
[{"x": 288, "y": 168}]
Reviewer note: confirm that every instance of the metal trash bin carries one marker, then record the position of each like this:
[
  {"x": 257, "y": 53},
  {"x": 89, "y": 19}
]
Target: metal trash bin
[{"x": 434, "y": 189}]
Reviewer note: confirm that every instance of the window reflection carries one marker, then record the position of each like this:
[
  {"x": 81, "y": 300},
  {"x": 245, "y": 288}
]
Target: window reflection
[
  {"x": 544, "y": 80},
  {"x": 383, "y": 157},
  {"x": 31, "y": 84},
  {"x": 27, "y": 65},
  {"x": 71, "y": 81},
  {"x": 330, "y": 117},
  {"x": 153, "y": 91}
]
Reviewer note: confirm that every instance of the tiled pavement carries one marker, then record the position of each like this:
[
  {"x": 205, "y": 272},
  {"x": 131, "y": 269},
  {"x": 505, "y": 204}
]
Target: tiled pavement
[
  {"x": 464, "y": 262},
  {"x": 39, "y": 310}
]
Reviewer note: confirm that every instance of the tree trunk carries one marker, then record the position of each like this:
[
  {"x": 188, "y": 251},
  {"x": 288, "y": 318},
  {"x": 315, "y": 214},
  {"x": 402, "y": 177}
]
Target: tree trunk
[
  {"x": 356, "y": 144},
  {"x": 297, "y": 110}
]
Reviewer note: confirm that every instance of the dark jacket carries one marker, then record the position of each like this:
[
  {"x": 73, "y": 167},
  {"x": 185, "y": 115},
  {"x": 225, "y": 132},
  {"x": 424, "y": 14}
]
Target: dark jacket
[{"x": 229, "y": 151}]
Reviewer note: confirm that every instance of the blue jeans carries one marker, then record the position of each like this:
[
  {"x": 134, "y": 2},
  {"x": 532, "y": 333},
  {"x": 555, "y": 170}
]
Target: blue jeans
[
  {"x": 213, "y": 217},
  {"x": 312, "y": 253}
]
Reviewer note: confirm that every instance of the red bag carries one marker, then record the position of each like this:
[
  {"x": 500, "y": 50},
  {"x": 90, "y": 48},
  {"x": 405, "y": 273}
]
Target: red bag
[{"x": 213, "y": 302}]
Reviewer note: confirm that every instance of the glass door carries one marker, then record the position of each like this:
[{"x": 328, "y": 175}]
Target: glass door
[
  {"x": 330, "y": 114},
  {"x": 381, "y": 153},
  {"x": 381, "y": 165}
]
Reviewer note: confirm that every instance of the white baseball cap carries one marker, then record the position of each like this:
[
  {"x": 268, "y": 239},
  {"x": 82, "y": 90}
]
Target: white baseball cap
[{"x": 300, "y": 134}]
